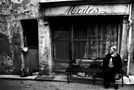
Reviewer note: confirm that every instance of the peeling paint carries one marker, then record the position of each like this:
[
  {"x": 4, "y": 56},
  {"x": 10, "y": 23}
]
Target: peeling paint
[
  {"x": 2, "y": 27},
  {"x": 6, "y": 62},
  {"x": 17, "y": 1},
  {"x": 4, "y": 6},
  {"x": 25, "y": 9}
]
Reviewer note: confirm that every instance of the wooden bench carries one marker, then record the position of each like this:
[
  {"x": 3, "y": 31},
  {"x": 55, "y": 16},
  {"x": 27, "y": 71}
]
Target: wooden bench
[{"x": 93, "y": 70}]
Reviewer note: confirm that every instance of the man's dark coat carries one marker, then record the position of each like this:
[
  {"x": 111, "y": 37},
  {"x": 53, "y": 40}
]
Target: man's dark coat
[{"x": 109, "y": 73}]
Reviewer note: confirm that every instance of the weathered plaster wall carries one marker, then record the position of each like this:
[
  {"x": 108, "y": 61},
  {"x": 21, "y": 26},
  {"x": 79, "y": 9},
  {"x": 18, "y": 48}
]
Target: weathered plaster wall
[
  {"x": 131, "y": 46},
  {"x": 21, "y": 9},
  {"x": 11, "y": 35},
  {"x": 11, "y": 38},
  {"x": 24, "y": 9},
  {"x": 6, "y": 59},
  {"x": 6, "y": 63},
  {"x": 44, "y": 47}
]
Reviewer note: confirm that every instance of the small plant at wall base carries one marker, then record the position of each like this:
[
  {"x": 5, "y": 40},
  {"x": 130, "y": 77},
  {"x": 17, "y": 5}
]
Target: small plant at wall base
[{"x": 45, "y": 70}]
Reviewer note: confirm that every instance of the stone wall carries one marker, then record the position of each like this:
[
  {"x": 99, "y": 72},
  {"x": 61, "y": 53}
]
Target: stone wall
[
  {"x": 6, "y": 62},
  {"x": 11, "y": 32},
  {"x": 11, "y": 36}
]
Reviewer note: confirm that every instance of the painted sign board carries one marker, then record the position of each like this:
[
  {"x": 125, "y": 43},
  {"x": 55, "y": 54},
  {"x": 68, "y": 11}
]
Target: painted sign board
[{"x": 119, "y": 9}]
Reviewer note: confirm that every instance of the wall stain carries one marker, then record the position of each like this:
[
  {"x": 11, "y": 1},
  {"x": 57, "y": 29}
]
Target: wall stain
[
  {"x": 4, "y": 6},
  {"x": 6, "y": 63}
]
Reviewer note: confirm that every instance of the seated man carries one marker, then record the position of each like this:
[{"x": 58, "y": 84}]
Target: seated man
[{"x": 112, "y": 64}]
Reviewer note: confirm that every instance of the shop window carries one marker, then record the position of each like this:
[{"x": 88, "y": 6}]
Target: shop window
[
  {"x": 92, "y": 40},
  {"x": 90, "y": 37}
]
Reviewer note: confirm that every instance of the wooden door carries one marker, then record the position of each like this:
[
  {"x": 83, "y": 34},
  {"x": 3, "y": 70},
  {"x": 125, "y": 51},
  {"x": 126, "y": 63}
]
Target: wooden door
[{"x": 61, "y": 34}]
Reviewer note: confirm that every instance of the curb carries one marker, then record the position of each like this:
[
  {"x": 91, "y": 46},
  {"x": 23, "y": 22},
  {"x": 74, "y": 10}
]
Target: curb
[
  {"x": 17, "y": 77},
  {"x": 36, "y": 78}
]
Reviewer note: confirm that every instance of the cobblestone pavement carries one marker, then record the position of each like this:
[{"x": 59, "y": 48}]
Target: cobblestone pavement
[{"x": 6, "y": 84}]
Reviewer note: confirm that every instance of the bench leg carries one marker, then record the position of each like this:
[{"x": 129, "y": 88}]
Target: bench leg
[
  {"x": 68, "y": 77},
  {"x": 122, "y": 82},
  {"x": 94, "y": 78}
]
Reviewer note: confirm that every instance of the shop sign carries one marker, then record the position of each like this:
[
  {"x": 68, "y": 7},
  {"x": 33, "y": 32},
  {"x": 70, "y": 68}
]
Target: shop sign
[{"x": 88, "y": 10}]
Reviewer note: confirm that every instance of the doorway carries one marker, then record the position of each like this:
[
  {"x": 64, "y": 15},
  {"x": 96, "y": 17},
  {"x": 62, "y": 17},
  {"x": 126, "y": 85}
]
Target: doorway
[{"x": 30, "y": 35}]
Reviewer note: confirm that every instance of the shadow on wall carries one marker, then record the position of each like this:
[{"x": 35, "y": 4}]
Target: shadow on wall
[
  {"x": 4, "y": 45},
  {"x": 5, "y": 55}
]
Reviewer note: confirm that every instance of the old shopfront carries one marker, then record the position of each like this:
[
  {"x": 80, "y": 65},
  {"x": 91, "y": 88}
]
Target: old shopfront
[{"x": 86, "y": 31}]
